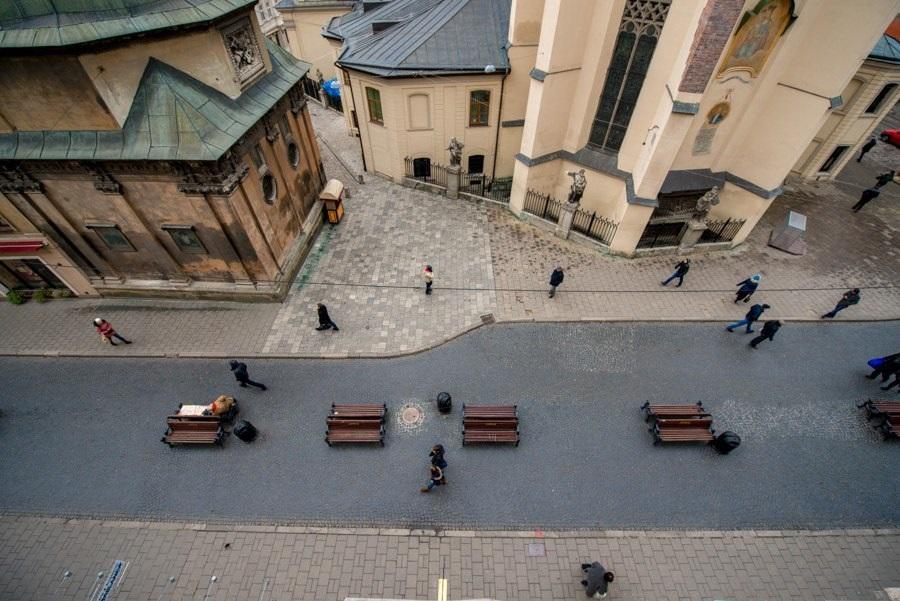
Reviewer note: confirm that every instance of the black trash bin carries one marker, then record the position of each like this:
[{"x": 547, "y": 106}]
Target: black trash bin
[
  {"x": 245, "y": 431},
  {"x": 726, "y": 442},
  {"x": 444, "y": 403}
]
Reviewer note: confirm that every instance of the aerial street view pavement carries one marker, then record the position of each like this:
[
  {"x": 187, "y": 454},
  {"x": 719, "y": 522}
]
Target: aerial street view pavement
[{"x": 482, "y": 300}]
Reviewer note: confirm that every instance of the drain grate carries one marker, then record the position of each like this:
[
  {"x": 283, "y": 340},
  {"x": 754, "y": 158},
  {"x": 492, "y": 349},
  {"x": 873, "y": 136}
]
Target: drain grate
[{"x": 411, "y": 416}]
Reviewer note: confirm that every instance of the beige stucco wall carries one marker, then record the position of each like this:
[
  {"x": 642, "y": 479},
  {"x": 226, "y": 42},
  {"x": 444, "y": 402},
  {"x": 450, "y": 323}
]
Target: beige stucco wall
[
  {"x": 849, "y": 125},
  {"x": 387, "y": 145},
  {"x": 116, "y": 72},
  {"x": 304, "y": 32}
]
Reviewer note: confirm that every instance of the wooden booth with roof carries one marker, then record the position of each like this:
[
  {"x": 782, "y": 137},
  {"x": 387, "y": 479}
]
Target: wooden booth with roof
[{"x": 333, "y": 199}]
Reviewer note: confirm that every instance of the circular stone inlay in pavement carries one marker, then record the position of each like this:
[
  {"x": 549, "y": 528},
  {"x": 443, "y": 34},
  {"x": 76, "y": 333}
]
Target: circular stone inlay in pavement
[{"x": 411, "y": 415}]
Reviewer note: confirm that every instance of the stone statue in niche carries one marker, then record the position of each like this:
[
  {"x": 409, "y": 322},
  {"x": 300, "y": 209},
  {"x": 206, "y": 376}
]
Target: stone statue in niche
[
  {"x": 579, "y": 183},
  {"x": 455, "y": 149},
  {"x": 705, "y": 203},
  {"x": 243, "y": 49}
]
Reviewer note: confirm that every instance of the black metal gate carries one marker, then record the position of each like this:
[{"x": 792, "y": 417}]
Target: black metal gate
[{"x": 661, "y": 234}]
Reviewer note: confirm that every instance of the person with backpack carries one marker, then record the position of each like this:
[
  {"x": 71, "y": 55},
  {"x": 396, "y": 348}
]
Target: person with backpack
[
  {"x": 752, "y": 315},
  {"x": 851, "y": 297},
  {"x": 681, "y": 270},
  {"x": 597, "y": 580}
]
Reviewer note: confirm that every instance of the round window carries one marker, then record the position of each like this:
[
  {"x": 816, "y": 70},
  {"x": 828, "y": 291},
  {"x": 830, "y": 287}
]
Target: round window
[
  {"x": 293, "y": 154},
  {"x": 270, "y": 187}
]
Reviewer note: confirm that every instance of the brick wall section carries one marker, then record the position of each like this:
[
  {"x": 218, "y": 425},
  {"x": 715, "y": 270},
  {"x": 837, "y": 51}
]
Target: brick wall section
[{"x": 713, "y": 32}]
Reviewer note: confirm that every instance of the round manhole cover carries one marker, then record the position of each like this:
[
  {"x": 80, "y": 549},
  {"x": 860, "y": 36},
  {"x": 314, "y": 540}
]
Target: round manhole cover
[{"x": 411, "y": 415}]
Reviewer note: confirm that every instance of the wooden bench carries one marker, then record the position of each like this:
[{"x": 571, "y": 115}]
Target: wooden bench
[
  {"x": 880, "y": 408},
  {"x": 356, "y": 423},
  {"x": 490, "y": 423},
  {"x": 674, "y": 411},
  {"x": 193, "y": 430},
  {"x": 890, "y": 428},
  {"x": 683, "y": 430}
]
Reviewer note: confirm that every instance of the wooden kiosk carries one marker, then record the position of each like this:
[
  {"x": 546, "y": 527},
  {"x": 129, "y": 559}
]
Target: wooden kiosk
[{"x": 332, "y": 197}]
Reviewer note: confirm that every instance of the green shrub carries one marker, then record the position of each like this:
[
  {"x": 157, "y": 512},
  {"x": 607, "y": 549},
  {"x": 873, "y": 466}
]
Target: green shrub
[
  {"x": 14, "y": 298},
  {"x": 39, "y": 296}
]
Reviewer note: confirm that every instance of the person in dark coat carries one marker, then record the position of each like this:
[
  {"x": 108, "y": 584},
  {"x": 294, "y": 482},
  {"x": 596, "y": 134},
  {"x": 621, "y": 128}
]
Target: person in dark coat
[
  {"x": 324, "y": 319},
  {"x": 768, "y": 332},
  {"x": 867, "y": 195},
  {"x": 242, "y": 376},
  {"x": 851, "y": 297},
  {"x": 866, "y": 148},
  {"x": 556, "y": 278},
  {"x": 752, "y": 315},
  {"x": 597, "y": 580},
  {"x": 747, "y": 288},
  {"x": 884, "y": 179},
  {"x": 889, "y": 365},
  {"x": 681, "y": 270}
]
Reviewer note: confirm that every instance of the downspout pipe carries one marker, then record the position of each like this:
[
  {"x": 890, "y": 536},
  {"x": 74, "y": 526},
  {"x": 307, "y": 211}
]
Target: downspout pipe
[
  {"x": 499, "y": 125},
  {"x": 362, "y": 151}
]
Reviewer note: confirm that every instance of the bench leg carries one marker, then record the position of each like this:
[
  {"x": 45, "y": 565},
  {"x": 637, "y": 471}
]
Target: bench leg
[{"x": 328, "y": 442}]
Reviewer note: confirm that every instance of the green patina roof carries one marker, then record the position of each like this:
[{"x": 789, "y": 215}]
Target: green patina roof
[
  {"x": 41, "y": 23},
  {"x": 173, "y": 117}
]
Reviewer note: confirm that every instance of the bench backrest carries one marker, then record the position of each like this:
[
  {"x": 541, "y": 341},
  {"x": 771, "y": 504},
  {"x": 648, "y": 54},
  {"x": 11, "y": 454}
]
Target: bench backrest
[
  {"x": 685, "y": 423},
  {"x": 195, "y": 426},
  {"x": 354, "y": 424},
  {"x": 485, "y": 425}
]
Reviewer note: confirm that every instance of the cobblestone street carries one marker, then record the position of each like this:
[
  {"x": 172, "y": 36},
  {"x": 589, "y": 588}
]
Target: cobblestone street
[
  {"x": 368, "y": 270},
  {"x": 50, "y": 559}
]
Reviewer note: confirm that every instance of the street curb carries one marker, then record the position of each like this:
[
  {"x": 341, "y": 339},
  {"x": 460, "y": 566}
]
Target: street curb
[
  {"x": 343, "y": 356},
  {"x": 448, "y": 533}
]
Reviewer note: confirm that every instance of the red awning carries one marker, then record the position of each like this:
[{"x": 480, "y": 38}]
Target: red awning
[{"x": 20, "y": 246}]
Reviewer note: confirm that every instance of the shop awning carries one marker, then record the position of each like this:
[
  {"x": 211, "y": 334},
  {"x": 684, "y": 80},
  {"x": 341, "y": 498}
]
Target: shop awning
[{"x": 9, "y": 247}]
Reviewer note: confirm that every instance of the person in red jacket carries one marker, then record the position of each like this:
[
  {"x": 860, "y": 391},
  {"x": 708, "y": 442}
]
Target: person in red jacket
[{"x": 105, "y": 329}]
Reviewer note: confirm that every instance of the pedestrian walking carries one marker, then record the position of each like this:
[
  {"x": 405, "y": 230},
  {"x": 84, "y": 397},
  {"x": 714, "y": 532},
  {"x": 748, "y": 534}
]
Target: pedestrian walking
[
  {"x": 242, "y": 376},
  {"x": 747, "y": 288},
  {"x": 866, "y": 148},
  {"x": 866, "y": 197},
  {"x": 851, "y": 297},
  {"x": 429, "y": 278},
  {"x": 436, "y": 470},
  {"x": 752, "y": 315},
  {"x": 325, "y": 321},
  {"x": 107, "y": 333},
  {"x": 437, "y": 456},
  {"x": 597, "y": 580},
  {"x": 884, "y": 366},
  {"x": 556, "y": 278},
  {"x": 768, "y": 332},
  {"x": 681, "y": 270},
  {"x": 884, "y": 179}
]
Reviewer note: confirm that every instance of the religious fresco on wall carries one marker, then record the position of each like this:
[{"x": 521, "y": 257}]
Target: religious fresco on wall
[
  {"x": 757, "y": 36},
  {"x": 703, "y": 142}
]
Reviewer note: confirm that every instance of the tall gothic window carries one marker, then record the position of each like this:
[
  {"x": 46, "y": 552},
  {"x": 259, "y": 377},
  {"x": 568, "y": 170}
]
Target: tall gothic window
[{"x": 638, "y": 33}]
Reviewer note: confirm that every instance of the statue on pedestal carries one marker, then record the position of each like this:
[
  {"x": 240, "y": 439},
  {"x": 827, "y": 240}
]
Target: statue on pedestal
[
  {"x": 455, "y": 149},
  {"x": 579, "y": 183},
  {"x": 705, "y": 203}
]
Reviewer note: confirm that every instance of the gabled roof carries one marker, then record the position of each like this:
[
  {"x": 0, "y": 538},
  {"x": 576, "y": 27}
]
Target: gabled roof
[
  {"x": 42, "y": 23},
  {"x": 422, "y": 37},
  {"x": 886, "y": 50},
  {"x": 173, "y": 117}
]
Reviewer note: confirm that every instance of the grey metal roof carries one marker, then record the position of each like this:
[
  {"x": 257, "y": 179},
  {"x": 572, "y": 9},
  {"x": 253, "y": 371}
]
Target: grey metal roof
[
  {"x": 887, "y": 50},
  {"x": 173, "y": 117},
  {"x": 428, "y": 37},
  {"x": 43, "y": 23},
  {"x": 313, "y": 4}
]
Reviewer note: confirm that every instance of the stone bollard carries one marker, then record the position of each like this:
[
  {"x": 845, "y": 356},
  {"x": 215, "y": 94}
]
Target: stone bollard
[
  {"x": 566, "y": 216},
  {"x": 692, "y": 233},
  {"x": 453, "y": 181}
]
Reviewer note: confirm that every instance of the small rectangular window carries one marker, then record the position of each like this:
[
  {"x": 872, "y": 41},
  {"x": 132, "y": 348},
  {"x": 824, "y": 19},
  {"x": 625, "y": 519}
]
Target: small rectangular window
[
  {"x": 479, "y": 108},
  {"x": 833, "y": 158},
  {"x": 879, "y": 100},
  {"x": 112, "y": 236},
  {"x": 5, "y": 227},
  {"x": 345, "y": 76},
  {"x": 285, "y": 127},
  {"x": 259, "y": 161},
  {"x": 185, "y": 238},
  {"x": 373, "y": 98}
]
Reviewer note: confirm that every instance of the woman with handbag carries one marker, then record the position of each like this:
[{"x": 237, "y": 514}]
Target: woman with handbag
[{"x": 438, "y": 465}]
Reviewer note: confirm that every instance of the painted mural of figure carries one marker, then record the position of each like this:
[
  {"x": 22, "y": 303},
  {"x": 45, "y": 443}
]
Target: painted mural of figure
[{"x": 759, "y": 34}]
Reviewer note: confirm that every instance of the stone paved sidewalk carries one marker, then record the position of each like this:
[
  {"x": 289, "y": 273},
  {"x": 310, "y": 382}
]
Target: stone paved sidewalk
[
  {"x": 368, "y": 270},
  {"x": 53, "y": 558}
]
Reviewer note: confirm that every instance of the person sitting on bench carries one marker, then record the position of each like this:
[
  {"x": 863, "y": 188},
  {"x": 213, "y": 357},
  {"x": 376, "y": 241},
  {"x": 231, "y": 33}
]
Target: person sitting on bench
[{"x": 598, "y": 579}]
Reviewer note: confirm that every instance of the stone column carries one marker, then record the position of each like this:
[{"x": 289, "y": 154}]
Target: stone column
[
  {"x": 566, "y": 216},
  {"x": 692, "y": 233},
  {"x": 453, "y": 181}
]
